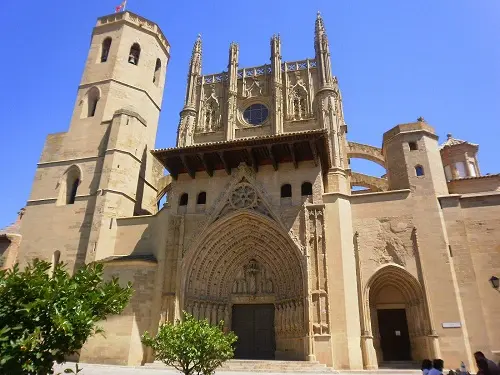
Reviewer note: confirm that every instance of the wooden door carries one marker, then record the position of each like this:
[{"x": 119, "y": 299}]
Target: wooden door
[
  {"x": 254, "y": 326},
  {"x": 394, "y": 336}
]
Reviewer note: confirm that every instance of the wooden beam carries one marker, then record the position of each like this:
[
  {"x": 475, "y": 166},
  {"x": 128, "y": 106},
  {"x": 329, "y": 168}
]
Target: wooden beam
[
  {"x": 253, "y": 159},
  {"x": 314, "y": 152},
  {"x": 173, "y": 171},
  {"x": 206, "y": 164},
  {"x": 272, "y": 156},
  {"x": 294, "y": 157},
  {"x": 190, "y": 170},
  {"x": 224, "y": 162}
]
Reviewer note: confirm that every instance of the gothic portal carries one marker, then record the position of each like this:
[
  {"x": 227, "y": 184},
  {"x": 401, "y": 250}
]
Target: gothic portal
[{"x": 255, "y": 217}]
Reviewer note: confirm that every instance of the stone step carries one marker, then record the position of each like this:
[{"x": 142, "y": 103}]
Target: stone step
[{"x": 241, "y": 365}]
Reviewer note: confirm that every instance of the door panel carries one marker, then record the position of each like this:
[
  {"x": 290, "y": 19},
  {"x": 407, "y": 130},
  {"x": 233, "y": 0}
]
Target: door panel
[
  {"x": 394, "y": 336},
  {"x": 254, "y": 326}
]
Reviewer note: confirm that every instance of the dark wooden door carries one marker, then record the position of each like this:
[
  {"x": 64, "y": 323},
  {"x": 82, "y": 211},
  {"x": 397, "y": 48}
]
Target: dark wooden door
[
  {"x": 394, "y": 337},
  {"x": 254, "y": 326}
]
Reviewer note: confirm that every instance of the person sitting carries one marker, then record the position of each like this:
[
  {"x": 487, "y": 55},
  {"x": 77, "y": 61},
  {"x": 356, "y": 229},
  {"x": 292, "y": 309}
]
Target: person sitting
[{"x": 426, "y": 366}]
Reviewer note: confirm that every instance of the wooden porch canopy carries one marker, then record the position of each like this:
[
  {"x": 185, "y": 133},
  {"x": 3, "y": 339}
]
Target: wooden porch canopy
[{"x": 268, "y": 150}]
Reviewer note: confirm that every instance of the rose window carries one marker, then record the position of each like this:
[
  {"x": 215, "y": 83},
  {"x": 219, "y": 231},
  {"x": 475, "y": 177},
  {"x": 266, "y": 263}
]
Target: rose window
[{"x": 243, "y": 196}]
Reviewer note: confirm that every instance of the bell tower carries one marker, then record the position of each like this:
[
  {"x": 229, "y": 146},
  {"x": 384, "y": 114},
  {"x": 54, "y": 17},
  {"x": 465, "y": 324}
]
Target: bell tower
[{"x": 101, "y": 168}]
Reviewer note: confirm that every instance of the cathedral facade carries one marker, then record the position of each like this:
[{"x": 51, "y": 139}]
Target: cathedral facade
[{"x": 257, "y": 221}]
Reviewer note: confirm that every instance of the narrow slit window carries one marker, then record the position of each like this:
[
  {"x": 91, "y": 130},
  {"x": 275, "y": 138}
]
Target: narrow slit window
[
  {"x": 202, "y": 198},
  {"x": 286, "y": 191},
  {"x": 156, "y": 75}
]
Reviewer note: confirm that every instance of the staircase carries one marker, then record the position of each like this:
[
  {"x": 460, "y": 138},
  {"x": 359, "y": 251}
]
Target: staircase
[{"x": 271, "y": 366}]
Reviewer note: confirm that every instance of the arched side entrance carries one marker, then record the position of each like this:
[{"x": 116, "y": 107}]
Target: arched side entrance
[
  {"x": 396, "y": 315},
  {"x": 247, "y": 271}
]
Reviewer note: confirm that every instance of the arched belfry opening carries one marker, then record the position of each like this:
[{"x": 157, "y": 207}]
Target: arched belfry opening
[
  {"x": 396, "y": 316},
  {"x": 247, "y": 271}
]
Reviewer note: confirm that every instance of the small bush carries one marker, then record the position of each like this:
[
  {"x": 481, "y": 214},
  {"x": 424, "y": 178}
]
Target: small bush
[{"x": 192, "y": 346}]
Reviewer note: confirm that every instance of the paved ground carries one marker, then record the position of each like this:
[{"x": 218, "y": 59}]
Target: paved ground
[{"x": 89, "y": 369}]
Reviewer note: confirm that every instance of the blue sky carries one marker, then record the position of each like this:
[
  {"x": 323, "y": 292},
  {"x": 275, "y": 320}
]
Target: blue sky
[{"x": 396, "y": 60}]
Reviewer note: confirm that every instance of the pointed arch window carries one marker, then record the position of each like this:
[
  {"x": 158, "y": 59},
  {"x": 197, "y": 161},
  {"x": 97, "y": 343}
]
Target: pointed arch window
[
  {"x": 135, "y": 54},
  {"x": 68, "y": 186},
  {"x": 90, "y": 102},
  {"x": 156, "y": 75},
  {"x": 306, "y": 189},
  {"x": 106, "y": 46}
]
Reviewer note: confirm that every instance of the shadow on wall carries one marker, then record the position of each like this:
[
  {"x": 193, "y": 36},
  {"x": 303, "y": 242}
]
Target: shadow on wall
[{"x": 90, "y": 210}]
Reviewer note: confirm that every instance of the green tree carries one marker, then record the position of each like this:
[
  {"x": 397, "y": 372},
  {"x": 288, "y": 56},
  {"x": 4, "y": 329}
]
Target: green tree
[
  {"x": 46, "y": 316},
  {"x": 192, "y": 346}
]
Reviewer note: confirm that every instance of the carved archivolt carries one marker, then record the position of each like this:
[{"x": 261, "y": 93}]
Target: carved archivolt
[{"x": 244, "y": 241}]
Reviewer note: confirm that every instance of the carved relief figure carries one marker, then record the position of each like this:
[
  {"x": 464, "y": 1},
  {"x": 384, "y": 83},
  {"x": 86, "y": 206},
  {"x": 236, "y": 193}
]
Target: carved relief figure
[
  {"x": 210, "y": 120},
  {"x": 298, "y": 100},
  {"x": 253, "y": 278},
  {"x": 393, "y": 242}
]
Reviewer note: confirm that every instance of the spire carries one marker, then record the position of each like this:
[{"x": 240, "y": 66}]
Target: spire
[
  {"x": 322, "y": 48},
  {"x": 194, "y": 72},
  {"x": 195, "y": 66},
  {"x": 320, "y": 26}
]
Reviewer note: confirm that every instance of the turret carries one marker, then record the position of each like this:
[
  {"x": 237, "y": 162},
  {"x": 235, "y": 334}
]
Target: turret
[
  {"x": 412, "y": 159},
  {"x": 459, "y": 158}
]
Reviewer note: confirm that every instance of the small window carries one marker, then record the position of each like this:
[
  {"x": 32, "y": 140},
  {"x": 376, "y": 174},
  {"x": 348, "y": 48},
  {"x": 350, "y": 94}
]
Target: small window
[
  {"x": 184, "y": 200},
  {"x": 447, "y": 173},
  {"x": 90, "y": 102},
  {"x": 135, "y": 53},
  {"x": 286, "y": 191},
  {"x": 460, "y": 167},
  {"x": 306, "y": 189},
  {"x": 472, "y": 169},
  {"x": 413, "y": 146},
  {"x": 74, "y": 189},
  {"x": 419, "y": 170},
  {"x": 156, "y": 75},
  {"x": 106, "y": 46},
  {"x": 202, "y": 198},
  {"x": 256, "y": 114}
]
